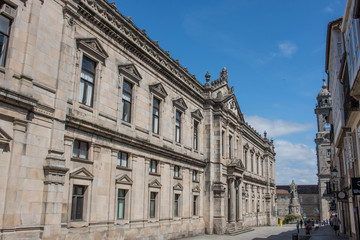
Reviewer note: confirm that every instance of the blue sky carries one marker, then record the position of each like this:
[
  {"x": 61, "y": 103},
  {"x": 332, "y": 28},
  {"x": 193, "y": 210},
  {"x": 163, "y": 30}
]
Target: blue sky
[{"x": 274, "y": 51}]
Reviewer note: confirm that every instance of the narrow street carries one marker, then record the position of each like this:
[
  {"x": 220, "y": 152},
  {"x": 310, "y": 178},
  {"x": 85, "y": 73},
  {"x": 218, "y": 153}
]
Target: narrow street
[{"x": 276, "y": 233}]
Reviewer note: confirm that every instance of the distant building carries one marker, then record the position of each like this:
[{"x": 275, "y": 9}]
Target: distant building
[
  {"x": 103, "y": 135},
  {"x": 308, "y": 199}
]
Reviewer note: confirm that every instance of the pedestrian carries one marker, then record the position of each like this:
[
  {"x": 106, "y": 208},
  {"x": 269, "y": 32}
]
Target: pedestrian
[
  {"x": 308, "y": 227},
  {"x": 297, "y": 225},
  {"x": 301, "y": 223},
  {"x": 336, "y": 224}
]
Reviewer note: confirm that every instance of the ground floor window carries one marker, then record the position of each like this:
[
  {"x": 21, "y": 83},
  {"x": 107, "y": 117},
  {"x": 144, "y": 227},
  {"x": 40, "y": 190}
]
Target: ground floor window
[
  {"x": 77, "y": 203},
  {"x": 153, "y": 196},
  {"x": 121, "y": 203}
]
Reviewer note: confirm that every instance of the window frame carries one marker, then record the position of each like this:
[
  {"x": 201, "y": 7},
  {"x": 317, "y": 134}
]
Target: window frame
[
  {"x": 74, "y": 204},
  {"x": 84, "y": 94},
  {"x": 195, "y": 205},
  {"x": 178, "y": 125},
  {"x": 78, "y": 150},
  {"x": 124, "y": 102},
  {"x": 120, "y": 159},
  {"x": 3, "y": 53},
  {"x": 123, "y": 198},
  {"x": 179, "y": 172},
  {"x": 196, "y": 135},
  {"x": 195, "y": 176},
  {"x": 154, "y": 167},
  {"x": 177, "y": 202},
  {"x": 154, "y": 200},
  {"x": 154, "y": 116}
]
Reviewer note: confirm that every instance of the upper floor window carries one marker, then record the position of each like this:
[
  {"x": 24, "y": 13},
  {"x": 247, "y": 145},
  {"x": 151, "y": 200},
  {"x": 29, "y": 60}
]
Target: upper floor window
[
  {"x": 153, "y": 198},
  {"x": 4, "y": 37},
  {"x": 155, "y": 118},
  {"x": 178, "y": 126},
  {"x": 153, "y": 166},
  {"x": 176, "y": 205},
  {"x": 122, "y": 160},
  {"x": 196, "y": 130},
  {"x": 126, "y": 101},
  {"x": 121, "y": 203},
  {"x": 195, "y": 205},
  {"x": 176, "y": 171},
  {"x": 80, "y": 149},
  {"x": 230, "y": 147},
  {"x": 87, "y": 82},
  {"x": 195, "y": 176}
]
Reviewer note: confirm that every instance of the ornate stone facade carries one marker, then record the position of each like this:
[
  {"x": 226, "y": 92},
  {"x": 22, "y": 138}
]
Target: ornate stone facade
[{"x": 104, "y": 135}]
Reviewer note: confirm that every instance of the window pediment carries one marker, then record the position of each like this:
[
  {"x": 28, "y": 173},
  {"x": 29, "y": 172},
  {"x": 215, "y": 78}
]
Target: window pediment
[
  {"x": 4, "y": 140},
  {"x": 129, "y": 70},
  {"x": 197, "y": 114},
  {"x": 82, "y": 173},
  {"x": 124, "y": 179},
  {"x": 178, "y": 186},
  {"x": 180, "y": 104},
  {"x": 196, "y": 189},
  {"x": 155, "y": 183},
  {"x": 93, "y": 46},
  {"x": 159, "y": 90},
  {"x": 246, "y": 146}
]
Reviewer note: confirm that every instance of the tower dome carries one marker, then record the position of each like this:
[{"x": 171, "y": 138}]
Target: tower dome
[{"x": 324, "y": 93}]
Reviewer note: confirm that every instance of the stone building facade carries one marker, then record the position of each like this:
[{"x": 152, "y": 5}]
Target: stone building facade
[
  {"x": 305, "y": 205},
  {"x": 104, "y": 135}
]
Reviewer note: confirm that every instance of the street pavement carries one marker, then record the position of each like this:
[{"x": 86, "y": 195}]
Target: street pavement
[{"x": 276, "y": 233}]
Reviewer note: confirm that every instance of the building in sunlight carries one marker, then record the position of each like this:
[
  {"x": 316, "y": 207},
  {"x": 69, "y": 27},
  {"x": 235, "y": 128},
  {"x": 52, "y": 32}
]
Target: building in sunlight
[{"x": 103, "y": 135}]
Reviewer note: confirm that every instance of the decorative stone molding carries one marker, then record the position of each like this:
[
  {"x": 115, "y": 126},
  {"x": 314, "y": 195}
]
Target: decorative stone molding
[
  {"x": 197, "y": 115},
  {"x": 178, "y": 186},
  {"x": 82, "y": 173},
  {"x": 196, "y": 189},
  {"x": 4, "y": 140},
  {"x": 130, "y": 71},
  {"x": 180, "y": 104},
  {"x": 159, "y": 90},
  {"x": 124, "y": 179},
  {"x": 218, "y": 189},
  {"x": 92, "y": 46},
  {"x": 155, "y": 183}
]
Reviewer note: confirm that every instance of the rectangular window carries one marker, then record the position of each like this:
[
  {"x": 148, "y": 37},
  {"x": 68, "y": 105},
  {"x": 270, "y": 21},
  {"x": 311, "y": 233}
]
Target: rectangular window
[
  {"x": 300, "y": 199},
  {"x": 155, "y": 120},
  {"x": 122, "y": 160},
  {"x": 222, "y": 143},
  {"x": 194, "y": 176},
  {"x": 121, "y": 203},
  {"x": 176, "y": 171},
  {"x": 77, "y": 203},
  {"x": 153, "y": 166},
  {"x": 195, "y": 200},
  {"x": 80, "y": 149},
  {"x": 4, "y": 38},
  {"x": 230, "y": 147},
  {"x": 87, "y": 82},
  {"x": 245, "y": 159},
  {"x": 178, "y": 126},
  {"x": 196, "y": 125},
  {"x": 126, "y": 101},
  {"x": 176, "y": 205},
  {"x": 328, "y": 188},
  {"x": 153, "y": 204}
]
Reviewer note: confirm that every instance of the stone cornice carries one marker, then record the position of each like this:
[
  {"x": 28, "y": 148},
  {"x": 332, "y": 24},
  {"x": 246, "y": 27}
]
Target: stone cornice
[
  {"x": 81, "y": 124},
  {"x": 109, "y": 20}
]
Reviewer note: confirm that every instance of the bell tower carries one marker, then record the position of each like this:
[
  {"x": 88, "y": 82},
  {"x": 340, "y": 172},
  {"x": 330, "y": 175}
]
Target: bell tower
[{"x": 323, "y": 149}]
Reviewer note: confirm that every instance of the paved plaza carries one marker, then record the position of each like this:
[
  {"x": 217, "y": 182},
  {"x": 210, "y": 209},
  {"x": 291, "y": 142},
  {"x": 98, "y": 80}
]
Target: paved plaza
[{"x": 276, "y": 233}]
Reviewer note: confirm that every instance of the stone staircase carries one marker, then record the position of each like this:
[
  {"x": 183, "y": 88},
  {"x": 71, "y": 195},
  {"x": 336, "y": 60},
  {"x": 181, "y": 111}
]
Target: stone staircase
[{"x": 233, "y": 230}]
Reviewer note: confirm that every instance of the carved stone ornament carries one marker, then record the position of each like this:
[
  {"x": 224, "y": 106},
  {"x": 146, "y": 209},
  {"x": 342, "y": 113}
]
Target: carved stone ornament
[
  {"x": 246, "y": 146},
  {"x": 93, "y": 46},
  {"x": 159, "y": 90},
  {"x": 180, "y": 103},
  {"x": 155, "y": 183},
  {"x": 196, "y": 189},
  {"x": 197, "y": 114},
  {"x": 130, "y": 71},
  {"x": 124, "y": 179},
  {"x": 178, "y": 186},
  {"x": 82, "y": 173}
]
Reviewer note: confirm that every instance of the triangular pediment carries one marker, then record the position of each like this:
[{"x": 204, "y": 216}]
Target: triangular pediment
[
  {"x": 178, "y": 186},
  {"x": 246, "y": 146},
  {"x": 93, "y": 45},
  {"x": 130, "y": 71},
  {"x": 155, "y": 183},
  {"x": 232, "y": 106},
  {"x": 4, "y": 140},
  {"x": 159, "y": 90},
  {"x": 196, "y": 189},
  {"x": 124, "y": 179},
  {"x": 197, "y": 114},
  {"x": 180, "y": 103},
  {"x": 82, "y": 173}
]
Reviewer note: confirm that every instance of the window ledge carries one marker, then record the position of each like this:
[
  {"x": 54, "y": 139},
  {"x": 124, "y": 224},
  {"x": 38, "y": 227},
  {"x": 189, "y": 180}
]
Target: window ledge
[
  {"x": 154, "y": 174},
  {"x": 122, "y": 222},
  {"x": 125, "y": 123},
  {"x": 87, "y": 108},
  {"x": 2, "y": 69},
  {"x": 178, "y": 178},
  {"x": 178, "y": 144},
  {"x": 153, "y": 220},
  {"x": 156, "y": 135},
  {"x": 123, "y": 168},
  {"x": 81, "y": 160},
  {"x": 196, "y": 181},
  {"x": 78, "y": 224}
]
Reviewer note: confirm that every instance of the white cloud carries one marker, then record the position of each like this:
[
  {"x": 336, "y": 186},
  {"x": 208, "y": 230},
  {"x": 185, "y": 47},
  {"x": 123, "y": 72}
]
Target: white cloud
[
  {"x": 295, "y": 162},
  {"x": 287, "y": 48},
  {"x": 328, "y": 9},
  {"x": 276, "y": 128}
]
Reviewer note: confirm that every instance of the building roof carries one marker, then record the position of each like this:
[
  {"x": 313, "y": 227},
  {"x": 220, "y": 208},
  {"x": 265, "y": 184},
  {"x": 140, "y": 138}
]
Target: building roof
[
  {"x": 302, "y": 189},
  {"x": 336, "y": 22},
  {"x": 282, "y": 192}
]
